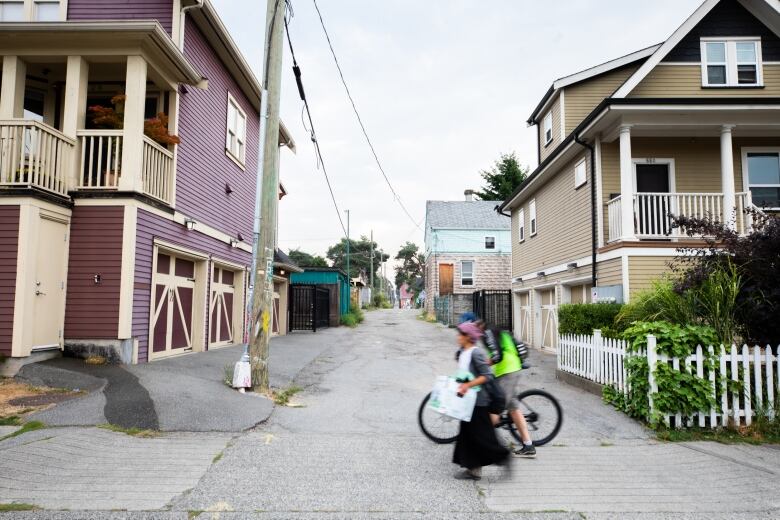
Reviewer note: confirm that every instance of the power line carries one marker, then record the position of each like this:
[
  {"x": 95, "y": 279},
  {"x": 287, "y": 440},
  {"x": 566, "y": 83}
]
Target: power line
[
  {"x": 360, "y": 121},
  {"x": 313, "y": 135}
]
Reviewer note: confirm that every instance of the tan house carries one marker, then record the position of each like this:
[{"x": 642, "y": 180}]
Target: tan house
[{"x": 687, "y": 127}]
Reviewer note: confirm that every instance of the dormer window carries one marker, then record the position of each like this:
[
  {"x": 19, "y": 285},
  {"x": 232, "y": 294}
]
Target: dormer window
[
  {"x": 731, "y": 62},
  {"x": 547, "y": 128}
]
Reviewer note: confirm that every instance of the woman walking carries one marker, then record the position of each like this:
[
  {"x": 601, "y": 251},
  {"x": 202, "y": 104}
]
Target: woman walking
[{"x": 477, "y": 444}]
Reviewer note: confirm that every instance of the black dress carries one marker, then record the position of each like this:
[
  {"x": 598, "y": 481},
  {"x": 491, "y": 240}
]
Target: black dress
[{"x": 477, "y": 444}]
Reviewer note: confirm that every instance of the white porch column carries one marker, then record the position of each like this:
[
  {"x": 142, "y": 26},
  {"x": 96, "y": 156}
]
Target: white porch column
[
  {"x": 74, "y": 112},
  {"x": 132, "y": 136},
  {"x": 727, "y": 176},
  {"x": 12, "y": 93},
  {"x": 626, "y": 184}
]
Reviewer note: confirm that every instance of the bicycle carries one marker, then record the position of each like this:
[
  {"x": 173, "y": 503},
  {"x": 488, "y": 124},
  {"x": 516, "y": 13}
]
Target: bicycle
[{"x": 541, "y": 410}]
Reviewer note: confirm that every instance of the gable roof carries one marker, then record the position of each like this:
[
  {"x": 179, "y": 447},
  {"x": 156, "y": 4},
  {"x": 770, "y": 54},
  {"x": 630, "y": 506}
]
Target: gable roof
[
  {"x": 762, "y": 9},
  {"x": 477, "y": 214}
]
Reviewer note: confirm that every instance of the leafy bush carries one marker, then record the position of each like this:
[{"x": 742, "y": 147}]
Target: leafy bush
[
  {"x": 659, "y": 303},
  {"x": 583, "y": 318},
  {"x": 349, "y": 320}
]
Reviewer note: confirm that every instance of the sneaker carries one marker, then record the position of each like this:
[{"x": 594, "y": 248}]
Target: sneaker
[
  {"x": 526, "y": 452},
  {"x": 470, "y": 474}
]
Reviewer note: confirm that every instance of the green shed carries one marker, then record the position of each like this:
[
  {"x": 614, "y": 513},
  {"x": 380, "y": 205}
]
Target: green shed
[{"x": 334, "y": 278}]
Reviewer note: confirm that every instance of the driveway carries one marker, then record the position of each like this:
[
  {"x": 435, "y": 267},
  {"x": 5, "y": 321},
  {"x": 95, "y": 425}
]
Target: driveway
[{"x": 184, "y": 393}]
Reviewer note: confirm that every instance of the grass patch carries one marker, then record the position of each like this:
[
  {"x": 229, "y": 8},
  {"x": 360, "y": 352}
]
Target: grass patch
[
  {"x": 26, "y": 427},
  {"x": 193, "y": 514},
  {"x": 217, "y": 457},
  {"x": 11, "y": 420},
  {"x": 228, "y": 375},
  {"x": 133, "y": 432},
  {"x": 606, "y": 444},
  {"x": 5, "y": 508},
  {"x": 282, "y": 397},
  {"x": 723, "y": 436}
]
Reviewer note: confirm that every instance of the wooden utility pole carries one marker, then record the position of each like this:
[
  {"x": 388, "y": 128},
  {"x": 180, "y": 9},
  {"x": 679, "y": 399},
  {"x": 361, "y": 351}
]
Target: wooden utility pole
[
  {"x": 267, "y": 198},
  {"x": 349, "y": 276},
  {"x": 372, "y": 264}
]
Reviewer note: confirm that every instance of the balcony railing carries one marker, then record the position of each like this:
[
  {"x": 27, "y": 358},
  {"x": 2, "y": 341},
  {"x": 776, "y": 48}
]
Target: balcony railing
[
  {"x": 157, "y": 171},
  {"x": 653, "y": 213},
  {"x": 101, "y": 159},
  {"x": 34, "y": 155}
]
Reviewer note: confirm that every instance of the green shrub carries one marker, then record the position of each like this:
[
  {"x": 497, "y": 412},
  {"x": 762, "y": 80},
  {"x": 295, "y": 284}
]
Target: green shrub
[
  {"x": 583, "y": 318},
  {"x": 349, "y": 320},
  {"x": 659, "y": 303}
]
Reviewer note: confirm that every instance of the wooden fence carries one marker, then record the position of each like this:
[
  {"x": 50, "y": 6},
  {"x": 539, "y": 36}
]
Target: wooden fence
[{"x": 744, "y": 381}]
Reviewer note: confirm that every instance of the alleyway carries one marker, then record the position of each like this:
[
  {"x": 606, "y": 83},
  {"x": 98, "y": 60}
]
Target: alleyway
[{"x": 354, "y": 450}]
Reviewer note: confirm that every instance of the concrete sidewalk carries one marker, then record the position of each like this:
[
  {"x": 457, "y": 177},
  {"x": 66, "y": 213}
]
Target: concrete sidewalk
[{"x": 185, "y": 393}]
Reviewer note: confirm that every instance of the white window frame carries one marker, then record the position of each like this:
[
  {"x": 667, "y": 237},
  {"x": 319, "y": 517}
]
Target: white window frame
[
  {"x": 473, "y": 279},
  {"x": 547, "y": 128},
  {"x": 732, "y": 63},
  {"x": 532, "y": 217},
  {"x": 494, "y": 242},
  {"x": 580, "y": 173},
  {"x": 239, "y": 159},
  {"x": 30, "y": 8},
  {"x": 746, "y": 173},
  {"x": 521, "y": 226}
]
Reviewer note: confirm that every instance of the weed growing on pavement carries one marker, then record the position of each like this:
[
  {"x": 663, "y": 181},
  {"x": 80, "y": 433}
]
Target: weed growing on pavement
[
  {"x": 6, "y": 508},
  {"x": 133, "y": 432},
  {"x": 228, "y": 375},
  {"x": 217, "y": 457},
  {"x": 282, "y": 397},
  {"x": 11, "y": 420},
  {"x": 26, "y": 427},
  {"x": 193, "y": 514}
]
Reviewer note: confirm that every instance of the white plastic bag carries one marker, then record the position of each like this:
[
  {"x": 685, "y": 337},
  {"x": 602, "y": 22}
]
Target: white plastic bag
[
  {"x": 242, "y": 375},
  {"x": 445, "y": 399}
]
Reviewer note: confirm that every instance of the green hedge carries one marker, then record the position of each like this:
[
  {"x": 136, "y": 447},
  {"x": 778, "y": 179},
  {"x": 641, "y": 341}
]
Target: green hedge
[{"x": 583, "y": 318}]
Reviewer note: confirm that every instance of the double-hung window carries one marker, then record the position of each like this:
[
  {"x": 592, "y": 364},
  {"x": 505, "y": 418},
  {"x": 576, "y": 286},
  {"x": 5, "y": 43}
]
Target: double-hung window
[
  {"x": 521, "y": 225},
  {"x": 490, "y": 242},
  {"x": 31, "y": 11},
  {"x": 763, "y": 178},
  {"x": 12, "y": 11},
  {"x": 731, "y": 62},
  {"x": 235, "y": 142},
  {"x": 580, "y": 174},
  {"x": 467, "y": 272},
  {"x": 548, "y": 131},
  {"x": 532, "y": 216},
  {"x": 46, "y": 10}
]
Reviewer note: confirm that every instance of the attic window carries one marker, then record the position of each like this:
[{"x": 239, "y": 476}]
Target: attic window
[
  {"x": 548, "y": 128},
  {"x": 731, "y": 63},
  {"x": 490, "y": 242}
]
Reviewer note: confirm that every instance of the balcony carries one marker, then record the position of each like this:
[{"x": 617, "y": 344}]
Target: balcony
[{"x": 653, "y": 213}]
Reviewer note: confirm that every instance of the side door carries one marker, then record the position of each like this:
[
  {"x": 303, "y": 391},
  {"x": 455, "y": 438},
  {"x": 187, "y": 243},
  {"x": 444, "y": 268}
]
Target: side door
[
  {"x": 446, "y": 279},
  {"x": 50, "y": 268}
]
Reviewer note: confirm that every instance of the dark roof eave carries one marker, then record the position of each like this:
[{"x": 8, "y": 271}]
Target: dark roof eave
[{"x": 605, "y": 104}]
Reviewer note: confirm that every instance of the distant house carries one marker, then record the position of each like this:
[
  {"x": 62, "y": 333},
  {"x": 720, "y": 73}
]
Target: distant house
[
  {"x": 405, "y": 296},
  {"x": 468, "y": 248},
  {"x": 334, "y": 279}
]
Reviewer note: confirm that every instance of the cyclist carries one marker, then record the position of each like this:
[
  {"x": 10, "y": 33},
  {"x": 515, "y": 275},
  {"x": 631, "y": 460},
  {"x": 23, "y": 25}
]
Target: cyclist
[{"x": 507, "y": 364}]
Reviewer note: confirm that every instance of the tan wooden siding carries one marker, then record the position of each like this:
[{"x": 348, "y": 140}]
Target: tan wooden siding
[
  {"x": 580, "y": 99},
  {"x": 644, "y": 270},
  {"x": 545, "y": 150},
  {"x": 696, "y": 163},
  {"x": 610, "y": 272},
  {"x": 563, "y": 223},
  {"x": 685, "y": 81}
]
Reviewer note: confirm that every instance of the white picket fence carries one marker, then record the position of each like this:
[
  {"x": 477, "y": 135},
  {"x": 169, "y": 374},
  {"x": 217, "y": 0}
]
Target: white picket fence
[{"x": 752, "y": 372}]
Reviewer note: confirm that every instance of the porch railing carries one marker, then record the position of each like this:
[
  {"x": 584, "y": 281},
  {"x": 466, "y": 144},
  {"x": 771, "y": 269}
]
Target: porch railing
[
  {"x": 35, "y": 155},
  {"x": 614, "y": 210},
  {"x": 101, "y": 159},
  {"x": 157, "y": 171},
  {"x": 653, "y": 211}
]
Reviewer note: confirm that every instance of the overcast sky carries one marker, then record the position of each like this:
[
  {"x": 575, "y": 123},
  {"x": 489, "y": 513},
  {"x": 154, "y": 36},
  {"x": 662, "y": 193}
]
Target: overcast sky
[{"x": 443, "y": 87}]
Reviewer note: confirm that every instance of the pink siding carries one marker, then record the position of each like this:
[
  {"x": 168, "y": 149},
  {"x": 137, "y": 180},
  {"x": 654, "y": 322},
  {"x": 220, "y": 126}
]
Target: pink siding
[
  {"x": 203, "y": 167},
  {"x": 9, "y": 246},
  {"x": 92, "y": 309},
  {"x": 160, "y": 10},
  {"x": 150, "y": 227}
]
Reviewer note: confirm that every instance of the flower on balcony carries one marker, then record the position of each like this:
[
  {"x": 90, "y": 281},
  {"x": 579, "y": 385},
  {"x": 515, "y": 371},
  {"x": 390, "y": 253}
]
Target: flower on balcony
[{"x": 112, "y": 118}]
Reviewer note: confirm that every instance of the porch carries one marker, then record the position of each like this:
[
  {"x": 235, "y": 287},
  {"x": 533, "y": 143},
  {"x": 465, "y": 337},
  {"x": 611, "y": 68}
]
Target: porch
[{"x": 91, "y": 111}]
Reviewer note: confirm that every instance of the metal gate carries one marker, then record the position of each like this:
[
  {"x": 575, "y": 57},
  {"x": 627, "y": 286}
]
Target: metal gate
[
  {"x": 309, "y": 307},
  {"x": 443, "y": 307},
  {"x": 494, "y": 307}
]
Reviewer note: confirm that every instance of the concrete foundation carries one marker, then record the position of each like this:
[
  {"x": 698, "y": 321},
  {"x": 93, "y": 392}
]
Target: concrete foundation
[
  {"x": 116, "y": 351},
  {"x": 11, "y": 366}
]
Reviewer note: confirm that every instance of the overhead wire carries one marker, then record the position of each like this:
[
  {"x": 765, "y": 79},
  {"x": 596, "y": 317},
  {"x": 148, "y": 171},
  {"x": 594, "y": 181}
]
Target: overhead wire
[{"x": 396, "y": 197}]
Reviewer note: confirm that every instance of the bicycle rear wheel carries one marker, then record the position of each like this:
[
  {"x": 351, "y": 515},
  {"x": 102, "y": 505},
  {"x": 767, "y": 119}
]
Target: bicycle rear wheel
[
  {"x": 437, "y": 427},
  {"x": 543, "y": 414}
]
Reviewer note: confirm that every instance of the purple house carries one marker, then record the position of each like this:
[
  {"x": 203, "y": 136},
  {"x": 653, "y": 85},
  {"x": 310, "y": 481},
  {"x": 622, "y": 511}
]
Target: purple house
[{"x": 114, "y": 236}]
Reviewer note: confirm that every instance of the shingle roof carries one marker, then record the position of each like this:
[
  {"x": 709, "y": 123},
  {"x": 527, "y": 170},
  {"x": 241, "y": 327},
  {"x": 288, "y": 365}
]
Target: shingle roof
[{"x": 478, "y": 214}]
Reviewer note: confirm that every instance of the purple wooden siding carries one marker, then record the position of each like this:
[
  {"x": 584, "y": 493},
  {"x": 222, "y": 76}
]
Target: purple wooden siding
[
  {"x": 160, "y": 10},
  {"x": 9, "y": 247},
  {"x": 150, "y": 227},
  {"x": 92, "y": 309},
  {"x": 203, "y": 167}
]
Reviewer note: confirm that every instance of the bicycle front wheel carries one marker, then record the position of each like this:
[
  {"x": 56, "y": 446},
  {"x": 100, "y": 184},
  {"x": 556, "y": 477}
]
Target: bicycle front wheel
[
  {"x": 437, "y": 427},
  {"x": 543, "y": 414}
]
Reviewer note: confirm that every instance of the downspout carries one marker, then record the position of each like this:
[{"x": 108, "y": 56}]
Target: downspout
[
  {"x": 593, "y": 208},
  {"x": 182, "y": 19}
]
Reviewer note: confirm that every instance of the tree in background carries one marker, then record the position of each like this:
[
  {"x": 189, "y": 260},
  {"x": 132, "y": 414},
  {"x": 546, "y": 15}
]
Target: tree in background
[
  {"x": 412, "y": 265},
  {"x": 502, "y": 179},
  {"x": 304, "y": 259},
  {"x": 359, "y": 256}
]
